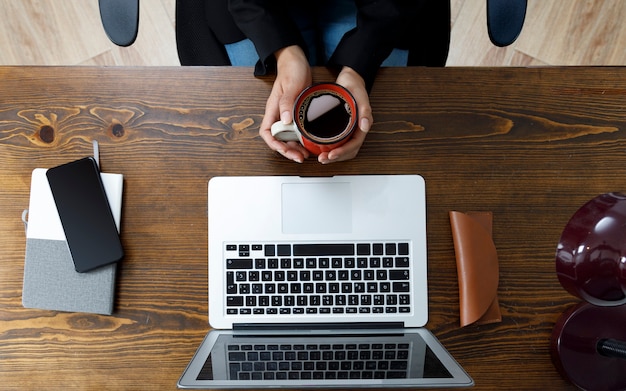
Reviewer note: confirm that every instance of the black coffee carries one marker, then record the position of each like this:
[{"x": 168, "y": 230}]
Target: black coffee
[{"x": 327, "y": 116}]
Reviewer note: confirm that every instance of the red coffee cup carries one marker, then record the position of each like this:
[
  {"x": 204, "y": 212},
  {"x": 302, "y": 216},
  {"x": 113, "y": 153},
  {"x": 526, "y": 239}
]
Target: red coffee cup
[{"x": 324, "y": 117}]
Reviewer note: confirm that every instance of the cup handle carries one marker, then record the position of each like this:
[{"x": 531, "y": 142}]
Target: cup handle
[{"x": 284, "y": 132}]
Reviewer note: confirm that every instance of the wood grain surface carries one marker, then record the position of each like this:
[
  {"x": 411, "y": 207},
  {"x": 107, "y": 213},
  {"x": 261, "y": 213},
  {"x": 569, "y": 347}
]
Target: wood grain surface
[{"x": 529, "y": 144}]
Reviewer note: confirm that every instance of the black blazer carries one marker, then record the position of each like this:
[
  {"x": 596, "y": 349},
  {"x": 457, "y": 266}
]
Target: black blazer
[{"x": 421, "y": 26}]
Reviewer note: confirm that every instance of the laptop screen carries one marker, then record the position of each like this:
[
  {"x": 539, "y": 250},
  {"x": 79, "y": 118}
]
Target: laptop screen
[{"x": 322, "y": 359}]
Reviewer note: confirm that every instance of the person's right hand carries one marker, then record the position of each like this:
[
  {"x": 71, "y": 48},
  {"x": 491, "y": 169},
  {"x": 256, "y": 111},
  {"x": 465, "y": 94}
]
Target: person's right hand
[{"x": 293, "y": 74}]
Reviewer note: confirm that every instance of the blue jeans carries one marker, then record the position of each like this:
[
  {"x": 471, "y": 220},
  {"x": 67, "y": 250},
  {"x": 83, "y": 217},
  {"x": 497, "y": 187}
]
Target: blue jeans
[{"x": 339, "y": 17}]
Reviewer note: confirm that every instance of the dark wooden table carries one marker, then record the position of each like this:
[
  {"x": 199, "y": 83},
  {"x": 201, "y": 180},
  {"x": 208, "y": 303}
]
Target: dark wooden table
[{"x": 530, "y": 145}]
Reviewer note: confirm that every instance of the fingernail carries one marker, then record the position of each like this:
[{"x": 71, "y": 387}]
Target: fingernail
[
  {"x": 365, "y": 125},
  {"x": 285, "y": 117}
]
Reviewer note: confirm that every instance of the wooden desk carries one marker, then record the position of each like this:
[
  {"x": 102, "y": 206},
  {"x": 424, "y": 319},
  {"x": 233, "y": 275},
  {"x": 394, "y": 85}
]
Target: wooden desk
[{"x": 530, "y": 145}]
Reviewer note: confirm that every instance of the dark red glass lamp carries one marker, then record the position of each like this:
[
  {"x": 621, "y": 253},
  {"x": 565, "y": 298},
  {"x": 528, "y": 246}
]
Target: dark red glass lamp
[{"x": 588, "y": 343}]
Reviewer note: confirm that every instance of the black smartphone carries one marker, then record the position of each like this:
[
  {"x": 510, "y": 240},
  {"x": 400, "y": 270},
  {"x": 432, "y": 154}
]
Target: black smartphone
[{"x": 85, "y": 214}]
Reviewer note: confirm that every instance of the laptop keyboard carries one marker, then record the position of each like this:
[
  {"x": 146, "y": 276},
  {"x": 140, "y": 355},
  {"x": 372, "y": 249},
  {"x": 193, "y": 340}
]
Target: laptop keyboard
[
  {"x": 318, "y": 361},
  {"x": 318, "y": 279}
]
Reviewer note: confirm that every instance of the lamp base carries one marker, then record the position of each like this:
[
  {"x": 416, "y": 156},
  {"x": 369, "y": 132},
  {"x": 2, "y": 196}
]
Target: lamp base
[{"x": 575, "y": 342}]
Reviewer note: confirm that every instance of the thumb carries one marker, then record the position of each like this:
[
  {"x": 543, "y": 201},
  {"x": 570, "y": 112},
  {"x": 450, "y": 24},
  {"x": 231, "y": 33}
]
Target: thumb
[{"x": 285, "y": 108}]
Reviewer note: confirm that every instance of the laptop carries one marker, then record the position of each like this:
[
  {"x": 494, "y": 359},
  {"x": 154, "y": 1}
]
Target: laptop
[{"x": 319, "y": 282}]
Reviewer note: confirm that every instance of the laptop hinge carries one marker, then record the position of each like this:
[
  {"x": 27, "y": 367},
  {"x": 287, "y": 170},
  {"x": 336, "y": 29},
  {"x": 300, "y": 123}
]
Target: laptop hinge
[{"x": 318, "y": 326}]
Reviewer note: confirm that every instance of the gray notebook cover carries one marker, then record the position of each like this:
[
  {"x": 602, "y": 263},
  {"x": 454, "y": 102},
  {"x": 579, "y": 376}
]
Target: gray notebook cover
[{"x": 50, "y": 281}]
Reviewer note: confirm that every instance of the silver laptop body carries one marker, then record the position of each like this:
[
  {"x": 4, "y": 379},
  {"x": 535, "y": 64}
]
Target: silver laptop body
[{"x": 319, "y": 282}]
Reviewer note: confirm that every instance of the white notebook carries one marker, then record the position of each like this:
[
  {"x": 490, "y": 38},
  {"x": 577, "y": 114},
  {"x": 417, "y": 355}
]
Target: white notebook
[{"x": 50, "y": 280}]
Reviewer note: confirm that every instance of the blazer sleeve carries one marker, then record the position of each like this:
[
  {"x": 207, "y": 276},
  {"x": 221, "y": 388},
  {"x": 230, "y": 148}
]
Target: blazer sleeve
[
  {"x": 202, "y": 28},
  {"x": 380, "y": 28},
  {"x": 269, "y": 26}
]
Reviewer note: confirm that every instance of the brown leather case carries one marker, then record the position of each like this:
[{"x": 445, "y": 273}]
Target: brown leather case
[{"x": 477, "y": 267}]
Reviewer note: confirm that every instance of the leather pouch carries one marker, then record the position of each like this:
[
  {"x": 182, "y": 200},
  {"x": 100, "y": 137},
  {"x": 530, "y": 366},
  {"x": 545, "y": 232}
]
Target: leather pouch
[{"x": 477, "y": 267}]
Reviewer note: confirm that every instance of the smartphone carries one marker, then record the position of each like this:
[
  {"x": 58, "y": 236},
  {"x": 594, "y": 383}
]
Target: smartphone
[{"x": 85, "y": 214}]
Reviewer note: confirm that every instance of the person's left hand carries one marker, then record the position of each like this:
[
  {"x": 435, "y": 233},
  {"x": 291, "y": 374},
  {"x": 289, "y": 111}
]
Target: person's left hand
[
  {"x": 293, "y": 74},
  {"x": 354, "y": 83}
]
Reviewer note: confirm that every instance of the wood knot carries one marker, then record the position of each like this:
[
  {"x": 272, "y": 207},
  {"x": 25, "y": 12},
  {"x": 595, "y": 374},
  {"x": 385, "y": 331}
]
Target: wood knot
[
  {"x": 118, "y": 130},
  {"x": 46, "y": 134}
]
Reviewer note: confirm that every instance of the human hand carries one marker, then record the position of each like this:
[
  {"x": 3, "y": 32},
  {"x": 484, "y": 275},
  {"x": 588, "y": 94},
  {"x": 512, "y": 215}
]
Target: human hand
[
  {"x": 293, "y": 74},
  {"x": 354, "y": 83}
]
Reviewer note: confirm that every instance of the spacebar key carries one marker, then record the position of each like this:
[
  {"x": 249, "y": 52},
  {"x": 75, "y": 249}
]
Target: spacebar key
[{"x": 318, "y": 250}]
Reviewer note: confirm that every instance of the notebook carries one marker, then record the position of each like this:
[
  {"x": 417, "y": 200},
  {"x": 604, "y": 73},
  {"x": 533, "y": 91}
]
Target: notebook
[
  {"x": 319, "y": 282},
  {"x": 50, "y": 280}
]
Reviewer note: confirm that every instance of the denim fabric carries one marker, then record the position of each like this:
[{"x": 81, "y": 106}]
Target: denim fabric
[{"x": 337, "y": 18}]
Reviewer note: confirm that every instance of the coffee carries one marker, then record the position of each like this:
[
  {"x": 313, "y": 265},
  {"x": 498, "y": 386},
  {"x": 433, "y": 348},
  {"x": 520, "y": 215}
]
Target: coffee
[{"x": 326, "y": 116}]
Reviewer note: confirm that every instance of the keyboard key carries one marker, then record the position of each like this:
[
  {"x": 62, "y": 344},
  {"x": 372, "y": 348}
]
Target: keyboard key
[
  {"x": 401, "y": 286},
  {"x": 244, "y": 250},
  {"x": 234, "y": 301},
  {"x": 402, "y": 262},
  {"x": 403, "y": 249},
  {"x": 377, "y": 249},
  {"x": 270, "y": 250},
  {"x": 320, "y": 250},
  {"x": 363, "y": 249},
  {"x": 237, "y": 356},
  {"x": 239, "y": 264},
  {"x": 398, "y": 274},
  {"x": 284, "y": 250}
]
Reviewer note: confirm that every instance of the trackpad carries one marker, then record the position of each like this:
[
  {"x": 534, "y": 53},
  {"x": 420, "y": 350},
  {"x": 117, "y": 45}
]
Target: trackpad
[{"x": 316, "y": 208}]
